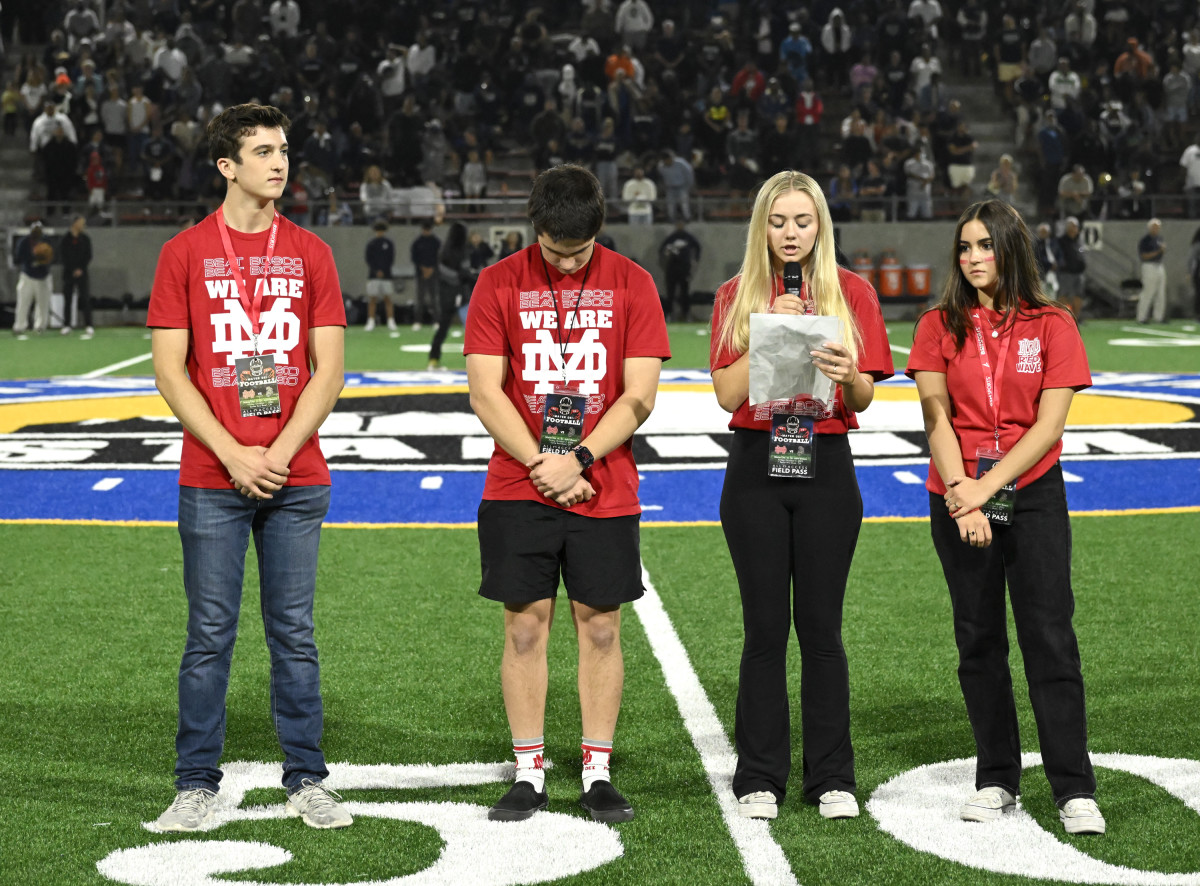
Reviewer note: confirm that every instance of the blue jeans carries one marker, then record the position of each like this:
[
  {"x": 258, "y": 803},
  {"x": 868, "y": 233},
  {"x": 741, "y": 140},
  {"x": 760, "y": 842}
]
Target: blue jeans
[{"x": 215, "y": 526}]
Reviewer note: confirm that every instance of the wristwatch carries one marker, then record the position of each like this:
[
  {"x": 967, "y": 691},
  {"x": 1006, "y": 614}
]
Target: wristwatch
[{"x": 584, "y": 456}]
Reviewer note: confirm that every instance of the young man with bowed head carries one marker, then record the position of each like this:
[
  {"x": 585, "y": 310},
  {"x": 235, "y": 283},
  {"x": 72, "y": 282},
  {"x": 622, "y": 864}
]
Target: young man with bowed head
[
  {"x": 564, "y": 343},
  {"x": 247, "y": 333}
]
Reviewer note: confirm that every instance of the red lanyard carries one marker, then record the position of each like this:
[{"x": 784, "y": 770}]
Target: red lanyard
[
  {"x": 253, "y": 307},
  {"x": 992, "y": 378}
]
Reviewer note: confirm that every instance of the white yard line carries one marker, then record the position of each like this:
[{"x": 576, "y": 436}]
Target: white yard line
[
  {"x": 900, "y": 350},
  {"x": 105, "y": 370},
  {"x": 762, "y": 857},
  {"x": 1163, "y": 333}
]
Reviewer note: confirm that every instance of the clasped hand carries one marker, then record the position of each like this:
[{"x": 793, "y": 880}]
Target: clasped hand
[
  {"x": 964, "y": 496},
  {"x": 255, "y": 472},
  {"x": 559, "y": 478}
]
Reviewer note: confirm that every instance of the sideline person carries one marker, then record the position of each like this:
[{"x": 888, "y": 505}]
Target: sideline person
[
  {"x": 380, "y": 255},
  {"x": 996, "y": 365},
  {"x": 76, "y": 251},
  {"x": 32, "y": 257},
  {"x": 792, "y": 538},
  {"x": 455, "y": 280},
  {"x": 1152, "y": 301},
  {"x": 564, "y": 343},
  {"x": 247, "y": 330}
]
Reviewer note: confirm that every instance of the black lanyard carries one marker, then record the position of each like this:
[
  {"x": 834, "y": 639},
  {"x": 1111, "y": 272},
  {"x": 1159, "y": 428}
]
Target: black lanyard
[{"x": 564, "y": 332}]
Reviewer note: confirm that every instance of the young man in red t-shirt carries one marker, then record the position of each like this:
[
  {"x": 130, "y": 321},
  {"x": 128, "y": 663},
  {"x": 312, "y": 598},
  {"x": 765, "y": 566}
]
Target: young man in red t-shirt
[
  {"x": 247, "y": 333},
  {"x": 564, "y": 344}
]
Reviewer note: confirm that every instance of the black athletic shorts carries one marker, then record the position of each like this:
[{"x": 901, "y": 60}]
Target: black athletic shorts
[{"x": 524, "y": 546}]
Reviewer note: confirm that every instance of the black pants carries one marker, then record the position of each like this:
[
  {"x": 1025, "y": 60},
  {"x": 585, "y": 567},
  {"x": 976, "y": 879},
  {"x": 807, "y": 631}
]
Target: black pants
[
  {"x": 71, "y": 284},
  {"x": 678, "y": 292},
  {"x": 792, "y": 542},
  {"x": 1033, "y": 555},
  {"x": 447, "y": 302}
]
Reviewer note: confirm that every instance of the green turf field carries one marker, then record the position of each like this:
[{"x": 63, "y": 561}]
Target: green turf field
[{"x": 94, "y": 626}]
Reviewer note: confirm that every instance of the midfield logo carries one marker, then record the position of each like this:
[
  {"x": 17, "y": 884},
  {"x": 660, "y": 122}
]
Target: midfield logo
[{"x": 586, "y": 362}]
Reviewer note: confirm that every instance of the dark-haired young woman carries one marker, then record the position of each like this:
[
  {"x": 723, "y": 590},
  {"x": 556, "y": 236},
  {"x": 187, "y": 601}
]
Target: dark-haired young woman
[{"x": 996, "y": 364}]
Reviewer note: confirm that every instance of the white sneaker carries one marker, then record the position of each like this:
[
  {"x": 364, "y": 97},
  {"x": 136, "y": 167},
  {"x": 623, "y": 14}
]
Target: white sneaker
[
  {"x": 318, "y": 806},
  {"x": 391, "y": 324},
  {"x": 839, "y": 804},
  {"x": 188, "y": 811},
  {"x": 416, "y": 327},
  {"x": 760, "y": 804},
  {"x": 988, "y": 804},
  {"x": 369, "y": 325},
  {"x": 66, "y": 330},
  {"x": 88, "y": 333},
  {"x": 1081, "y": 816}
]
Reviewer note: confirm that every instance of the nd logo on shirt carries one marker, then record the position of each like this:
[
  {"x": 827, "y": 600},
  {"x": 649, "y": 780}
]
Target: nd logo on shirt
[
  {"x": 232, "y": 332},
  {"x": 1029, "y": 355},
  {"x": 584, "y": 359}
]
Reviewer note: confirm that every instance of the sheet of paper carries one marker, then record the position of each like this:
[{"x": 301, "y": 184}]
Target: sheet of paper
[{"x": 781, "y": 366}]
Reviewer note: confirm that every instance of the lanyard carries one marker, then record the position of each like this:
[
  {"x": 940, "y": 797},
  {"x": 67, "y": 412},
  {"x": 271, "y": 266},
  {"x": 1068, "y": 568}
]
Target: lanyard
[
  {"x": 253, "y": 307},
  {"x": 992, "y": 378},
  {"x": 563, "y": 331}
]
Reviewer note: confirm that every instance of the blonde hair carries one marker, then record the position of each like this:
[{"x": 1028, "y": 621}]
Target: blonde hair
[{"x": 757, "y": 279}]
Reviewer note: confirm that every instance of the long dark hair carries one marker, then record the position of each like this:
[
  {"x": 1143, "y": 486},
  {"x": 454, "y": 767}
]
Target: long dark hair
[{"x": 1019, "y": 287}]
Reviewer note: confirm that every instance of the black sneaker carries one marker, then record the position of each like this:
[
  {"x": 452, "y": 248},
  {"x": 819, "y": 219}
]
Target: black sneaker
[
  {"x": 519, "y": 803},
  {"x": 605, "y": 803}
]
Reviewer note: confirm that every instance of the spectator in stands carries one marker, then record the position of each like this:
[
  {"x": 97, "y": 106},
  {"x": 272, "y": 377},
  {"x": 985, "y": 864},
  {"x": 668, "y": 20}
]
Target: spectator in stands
[
  {"x": 1079, "y": 31},
  {"x": 842, "y": 195},
  {"x": 421, "y": 59},
  {"x": 809, "y": 110},
  {"x": 872, "y": 187},
  {"x": 749, "y": 81},
  {"x": 972, "y": 28},
  {"x": 1063, "y": 84},
  {"x": 1152, "y": 301},
  {"x": 1075, "y": 190},
  {"x": 75, "y": 250},
  {"x": 60, "y": 159},
  {"x": 96, "y": 180},
  {"x": 10, "y": 107},
  {"x": 41, "y": 131},
  {"x": 1052, "y": 159},
  {"x": 1042, "y": 54},
  {"x": 863, "y": 73},
  {"x": 779, "y": 146},
  {"x": 622, "y": 94},
  {"x": 434, "y": 149},
  {"x": 1009, "y": 50},
  {"x": 638, "y": 195},
  {"x": 375, "y": 194},
  {"x": 138, "y": 111},
  {"x": 33, "y": 94},
  {"x": 159, "y": 159},
  {"x": 1003, "y": 182},
  {"x": 795, "y": 52},
  {"x": 922, "y": 68},
  {"x": 606, "y": 150},
  {"x": 283, "y": 18},
  {"x": 633, "y": 23},
  {"x": 424, "y": 255},
  {"x": 961, "y": 148},
  {"x": 836, "y": 46},
  {"x": 474, "y": 178},
  {"x": 1190, "y": 161},
  {"x": 1132, "y": 70},
  {"x": 919, "y": 173},
  {"x": 513, "y": 242},
  {"x": 1072, "y": 267},
  {"x": 742, "y": 154},
  {"x": 80, "y": 22},
  {"x": 678, "y": 255},
  {"x": 925, "y": 16},
  {"x": 1176, "y": 89},
  {"x": 33, "y": 282},
  {"x": 678, "y": 179},
  {"x": 1045, "y": 252}
]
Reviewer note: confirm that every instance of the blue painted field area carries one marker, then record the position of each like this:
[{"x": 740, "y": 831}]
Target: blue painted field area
[{"x": 406, "y": 449}]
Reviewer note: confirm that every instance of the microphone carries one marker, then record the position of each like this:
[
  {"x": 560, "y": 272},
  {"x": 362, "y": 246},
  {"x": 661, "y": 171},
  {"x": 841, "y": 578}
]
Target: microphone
[{"x": 792, "y": 278}]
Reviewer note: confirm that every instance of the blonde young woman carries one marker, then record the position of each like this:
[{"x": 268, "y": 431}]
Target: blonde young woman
[{"x": 792, "y": 538}]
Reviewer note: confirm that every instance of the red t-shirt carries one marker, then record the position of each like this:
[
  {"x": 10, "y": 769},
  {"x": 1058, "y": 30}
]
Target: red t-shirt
[
  {"x": 874, "y": 358},
  {"x": 513, "y": 314},
  {"x": 1045, "y": 351},
  {"x": 194, "y": 290}
]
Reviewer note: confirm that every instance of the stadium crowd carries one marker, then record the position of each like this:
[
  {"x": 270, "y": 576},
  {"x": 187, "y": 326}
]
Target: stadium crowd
[{"x": 398, "y": 105}]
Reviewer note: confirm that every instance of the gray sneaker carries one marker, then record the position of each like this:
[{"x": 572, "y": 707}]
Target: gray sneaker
[
  {"x": 1081, "y": 816},
  {"x": 188, "y": 811},
  {"x": 988, "y": 804},
  {"x": 318, "y": 806},
  {"x": 838, "y": 804}
]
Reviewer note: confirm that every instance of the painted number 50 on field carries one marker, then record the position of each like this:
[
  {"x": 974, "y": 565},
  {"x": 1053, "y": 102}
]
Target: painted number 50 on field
[{"x": 547, "y": 847}]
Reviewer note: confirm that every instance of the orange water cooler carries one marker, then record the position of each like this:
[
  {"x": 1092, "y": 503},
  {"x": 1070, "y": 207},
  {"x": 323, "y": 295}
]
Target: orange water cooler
[{"x": 891, "y": 276}]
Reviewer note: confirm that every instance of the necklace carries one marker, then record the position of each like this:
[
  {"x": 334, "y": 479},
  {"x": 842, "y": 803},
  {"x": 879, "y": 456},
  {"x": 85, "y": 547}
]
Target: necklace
[{"x": 995, "y": 329}]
